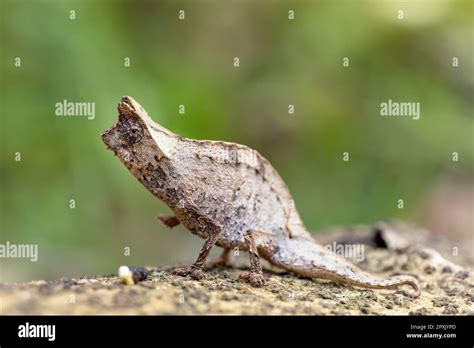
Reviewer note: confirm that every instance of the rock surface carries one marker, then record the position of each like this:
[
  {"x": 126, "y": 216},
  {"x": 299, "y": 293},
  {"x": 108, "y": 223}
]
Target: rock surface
[{"x": 447, "y": 289}]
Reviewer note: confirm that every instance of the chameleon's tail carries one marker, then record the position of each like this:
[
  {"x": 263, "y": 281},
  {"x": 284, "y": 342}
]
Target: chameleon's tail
[
  {"x": 309, "y": 258},
  {"x": 367, "y": 280}
]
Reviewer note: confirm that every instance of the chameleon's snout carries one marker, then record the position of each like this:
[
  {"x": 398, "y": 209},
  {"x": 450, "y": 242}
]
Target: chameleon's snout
[
  {"x": 110, "y": 136},
  {"x": 126, "y": 131},
  {"x": 106, "y": 138}
]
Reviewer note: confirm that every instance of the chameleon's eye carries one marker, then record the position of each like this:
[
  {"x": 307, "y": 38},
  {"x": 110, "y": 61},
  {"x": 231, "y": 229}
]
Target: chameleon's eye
[{"x": 132, "y": 131}]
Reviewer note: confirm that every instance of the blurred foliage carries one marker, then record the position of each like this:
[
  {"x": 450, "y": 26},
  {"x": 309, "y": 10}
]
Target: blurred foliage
[{"x": 190, "y": 62}]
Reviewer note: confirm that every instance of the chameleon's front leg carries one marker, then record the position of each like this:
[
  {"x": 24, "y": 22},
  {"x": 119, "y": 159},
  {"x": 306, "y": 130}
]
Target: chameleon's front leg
[{"x": 195, "y": 270}]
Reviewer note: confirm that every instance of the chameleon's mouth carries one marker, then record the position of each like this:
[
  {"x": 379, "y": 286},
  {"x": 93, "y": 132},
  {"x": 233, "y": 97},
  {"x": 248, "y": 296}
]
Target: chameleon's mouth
[
  {"x": 114, "y": 142},
  {"x": 107, "y": 137}
]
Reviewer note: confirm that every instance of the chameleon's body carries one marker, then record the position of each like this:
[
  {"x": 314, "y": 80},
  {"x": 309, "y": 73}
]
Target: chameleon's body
[{"x": 229, "y": 195}]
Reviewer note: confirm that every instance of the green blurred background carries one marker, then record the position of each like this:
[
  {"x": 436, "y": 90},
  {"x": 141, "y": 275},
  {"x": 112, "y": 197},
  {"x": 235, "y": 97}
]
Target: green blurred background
[{"x": 190, "y": 62}]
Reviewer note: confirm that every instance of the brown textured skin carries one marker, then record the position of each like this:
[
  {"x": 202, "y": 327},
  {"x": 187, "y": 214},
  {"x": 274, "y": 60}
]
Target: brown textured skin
[{"x": 232, "y": 197}]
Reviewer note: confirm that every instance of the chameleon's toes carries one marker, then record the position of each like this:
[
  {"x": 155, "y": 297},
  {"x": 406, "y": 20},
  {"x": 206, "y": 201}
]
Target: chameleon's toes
[
  {"x": 191, "y": 271},
  {"x": 255, "y": 279}
]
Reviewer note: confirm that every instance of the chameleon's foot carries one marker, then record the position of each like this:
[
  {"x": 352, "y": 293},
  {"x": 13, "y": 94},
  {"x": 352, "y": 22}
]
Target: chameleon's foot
[
  {"x": 255, "y": 279},
  {"x": 193, "y": 272}
]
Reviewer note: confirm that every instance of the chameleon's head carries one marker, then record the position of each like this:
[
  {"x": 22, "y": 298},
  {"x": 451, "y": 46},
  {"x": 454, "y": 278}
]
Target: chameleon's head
[{"x": 136, "y": 139}]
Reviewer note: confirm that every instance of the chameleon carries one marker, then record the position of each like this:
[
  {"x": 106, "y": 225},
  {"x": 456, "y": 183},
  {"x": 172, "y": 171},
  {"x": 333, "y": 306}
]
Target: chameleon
[{"x": 232, "y": 197}]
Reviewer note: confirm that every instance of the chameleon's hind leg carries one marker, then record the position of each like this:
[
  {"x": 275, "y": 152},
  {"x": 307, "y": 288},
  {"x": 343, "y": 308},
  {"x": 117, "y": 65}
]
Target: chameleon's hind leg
[
  {"x": 222, "y": 260},
  {"x": 195, "y": 270},
  {"x": 255, "y": 276}
]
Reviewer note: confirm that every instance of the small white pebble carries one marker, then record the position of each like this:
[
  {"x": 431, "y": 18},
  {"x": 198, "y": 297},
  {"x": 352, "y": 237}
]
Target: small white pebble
[
  {"x": 126, "y": 275},
  {"x": 123, "y": 271}
]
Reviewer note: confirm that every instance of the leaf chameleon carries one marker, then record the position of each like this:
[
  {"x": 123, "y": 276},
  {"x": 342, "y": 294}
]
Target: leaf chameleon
[{"x": 231, "y": 196}]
